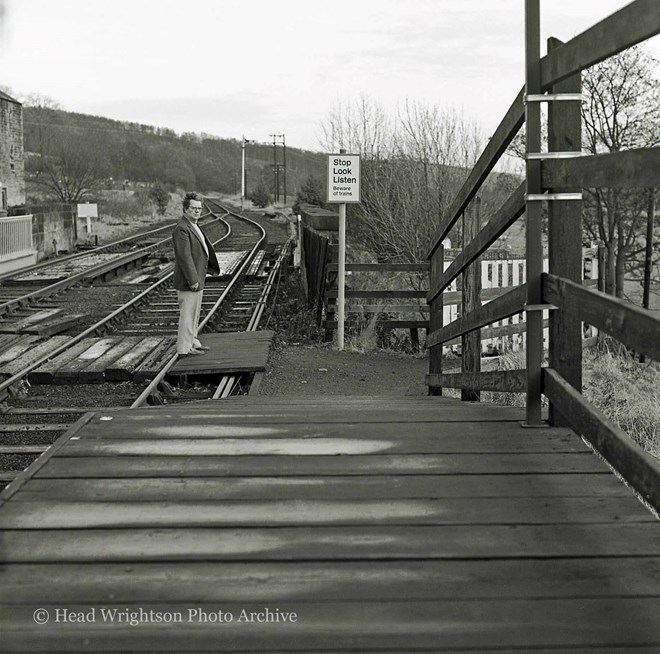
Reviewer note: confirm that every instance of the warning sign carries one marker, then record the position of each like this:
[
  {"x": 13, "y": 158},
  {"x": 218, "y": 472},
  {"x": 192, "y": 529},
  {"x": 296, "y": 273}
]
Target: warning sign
[{"x": 343, "y": 178}]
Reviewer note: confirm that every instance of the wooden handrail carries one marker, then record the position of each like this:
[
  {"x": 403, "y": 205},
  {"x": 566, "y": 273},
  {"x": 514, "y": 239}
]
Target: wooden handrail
[
  {"x": 507, "y": 214},
  {"x": 497, "y": 145},
  {"x": 637, "y": 466},
  {"x": 626, "y": 169},
  {"x": 636, "y": 22},
  {"x": 635, "y": 327},
  {"x": 508, "y": 304},
  {"x": 379, "y": 267},
  {"x": 509, "y": 381}
]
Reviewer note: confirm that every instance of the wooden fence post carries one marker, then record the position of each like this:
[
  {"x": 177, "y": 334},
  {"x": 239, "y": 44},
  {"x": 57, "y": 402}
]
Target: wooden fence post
[
  {"x": 533, "y": 237},
  {"x": 330, "y": 284},
  {"x": 471, "y": 342},
  {"x": 565, "y": 238},
  {"x": 436, "y": 315}
]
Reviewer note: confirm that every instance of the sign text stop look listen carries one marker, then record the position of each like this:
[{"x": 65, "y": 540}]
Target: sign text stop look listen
[{"x": 343, "y": 178}]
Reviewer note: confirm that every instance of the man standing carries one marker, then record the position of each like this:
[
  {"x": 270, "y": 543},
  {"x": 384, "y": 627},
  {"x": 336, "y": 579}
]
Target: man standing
[{"x": 193, "y": 258}]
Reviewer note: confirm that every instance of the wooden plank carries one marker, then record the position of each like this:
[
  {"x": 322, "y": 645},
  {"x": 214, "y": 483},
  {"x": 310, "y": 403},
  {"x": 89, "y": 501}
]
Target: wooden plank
[
  {"x": 421, "y": 266},
  {"x": 59, "y": 324},
  {"x": 18, "y": 326},
  {"x": 17, "y": 349},
  {"x": 273, "y": 447},
  {"x": 332, "y": 543},
  {"x": 22, "y": 449},
  {"x": 636, "y": 22},
  {"x": 12, "y": 367},
  {"x": 155, "y": 361},
  {"x": 156, "y": 465},
  {"x": 636, "y": 327},
  {"x": 448, "y": 437},
  {"x": 229, "y": 353},
  {"x": 388, "y": 308},
  {"x": 7, "y": 340},
  {"x": 449, "y": 297},
  {"x": 415, "y": 626},
  {"x": 508, "y": 304},
  {"x": 95, "y": 371},
  {"x": 497, "y": 144},
  {"x": 58, "y": 515},
  {"x": 357, "y": 580},
  {"x": 212, "y": 415},
  {"x": 637, "y": 466},
  {"x": 338, "y": 487},
  {"x": 44, "y": 373},
  {"x": 390, "y": 324},
  {"x": 506, "y": 215},
  {"x": 376, "y": 294},
  {"x": 507, "y": 381},
  {"x": 626, "y": 169},
  {"x": 123, "y": 368},
  {"x": 67, "y": 373}
]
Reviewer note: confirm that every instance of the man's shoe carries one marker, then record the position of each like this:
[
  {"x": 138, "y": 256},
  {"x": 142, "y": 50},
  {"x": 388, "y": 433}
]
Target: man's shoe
[
  {"x": 191, "y": 353},
  {"x": 205, "y": 348}
]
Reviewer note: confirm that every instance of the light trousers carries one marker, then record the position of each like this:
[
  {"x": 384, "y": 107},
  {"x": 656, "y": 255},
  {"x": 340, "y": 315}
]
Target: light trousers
[{"x": 190, "y": 306}]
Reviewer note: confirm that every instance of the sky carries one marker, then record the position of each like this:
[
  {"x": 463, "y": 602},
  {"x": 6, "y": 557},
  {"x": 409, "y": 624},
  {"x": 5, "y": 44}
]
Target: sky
[{"x": 253, "y": 68}]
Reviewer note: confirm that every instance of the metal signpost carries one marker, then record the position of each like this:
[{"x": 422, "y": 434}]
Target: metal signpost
[{"x": 343, "y": 187}]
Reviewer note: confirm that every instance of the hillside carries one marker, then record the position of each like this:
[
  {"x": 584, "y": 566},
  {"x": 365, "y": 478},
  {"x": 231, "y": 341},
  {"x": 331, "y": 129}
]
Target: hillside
[{"x": 120, "y": 151}]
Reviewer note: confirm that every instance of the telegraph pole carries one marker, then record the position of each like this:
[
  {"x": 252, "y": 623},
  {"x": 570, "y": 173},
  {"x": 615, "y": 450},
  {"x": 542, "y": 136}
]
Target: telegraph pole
[
  {"x": 278, "y": 139},
  {"x": 243, "y": 181}
]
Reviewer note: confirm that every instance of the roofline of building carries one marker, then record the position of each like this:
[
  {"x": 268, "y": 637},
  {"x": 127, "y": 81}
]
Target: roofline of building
[{"x": 4, "y": 96}]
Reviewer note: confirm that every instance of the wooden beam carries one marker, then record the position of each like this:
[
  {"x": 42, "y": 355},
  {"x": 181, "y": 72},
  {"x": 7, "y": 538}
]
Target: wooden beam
[
  {"x": 508, "y": 304},
  {"x": 505, "y": 216},
  {"x": 422, "y": 266},
  {"x": 378, "y": 294},
  {"x": 635, "y": 327},
  {"x": 505, "y": 381},
  {"x": 471, "y": 278},
  {"x": 565, "y": 236},
  {"x": 498, "y": 143},
  {"x": 638, "y": 467},
  {"x": 449, "y": 297},
  {"x": 633, "y": 24},
  {"x": 627, "y": 169}
]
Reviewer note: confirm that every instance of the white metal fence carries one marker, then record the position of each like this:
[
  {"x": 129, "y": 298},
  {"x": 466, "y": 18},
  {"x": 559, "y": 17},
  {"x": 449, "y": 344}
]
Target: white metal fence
[{"x": 15, "y": 237}]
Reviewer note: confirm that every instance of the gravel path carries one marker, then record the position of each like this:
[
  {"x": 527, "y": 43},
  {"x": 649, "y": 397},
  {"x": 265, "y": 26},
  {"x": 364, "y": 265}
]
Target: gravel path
[{"x": 320, "y": 370}]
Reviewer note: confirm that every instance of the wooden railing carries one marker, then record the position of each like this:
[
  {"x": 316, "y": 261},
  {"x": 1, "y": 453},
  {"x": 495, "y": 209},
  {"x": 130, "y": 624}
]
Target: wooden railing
[{"x": 557, "y": 294}]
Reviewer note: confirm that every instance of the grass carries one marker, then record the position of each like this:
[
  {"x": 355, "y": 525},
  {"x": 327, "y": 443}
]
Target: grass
[
  {"x": 614, "y": 381},
  {"x": 626, "y": 391}
]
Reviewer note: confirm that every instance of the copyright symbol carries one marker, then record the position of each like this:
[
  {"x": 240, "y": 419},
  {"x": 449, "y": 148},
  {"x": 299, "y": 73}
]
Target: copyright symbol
[{"x": 41, "y": 616}]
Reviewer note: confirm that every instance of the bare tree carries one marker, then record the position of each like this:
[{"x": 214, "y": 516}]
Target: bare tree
[
  {"x": 66, "y": 169},
  {"x": 412, "y": 166},
  {"x": 622, "y": 112}
]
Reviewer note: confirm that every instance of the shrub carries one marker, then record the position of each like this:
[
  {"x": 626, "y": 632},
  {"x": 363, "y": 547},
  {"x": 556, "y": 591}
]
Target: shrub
[
  {"x": 160, "y": 197},
  {"x": 260, "y": 197}
]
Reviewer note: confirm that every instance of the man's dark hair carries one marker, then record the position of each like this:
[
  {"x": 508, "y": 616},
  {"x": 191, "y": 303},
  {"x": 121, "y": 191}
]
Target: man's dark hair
[{"x": 190, "y": 196}]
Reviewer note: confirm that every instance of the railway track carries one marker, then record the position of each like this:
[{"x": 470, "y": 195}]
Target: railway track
[{"x": 125, "y": 357}]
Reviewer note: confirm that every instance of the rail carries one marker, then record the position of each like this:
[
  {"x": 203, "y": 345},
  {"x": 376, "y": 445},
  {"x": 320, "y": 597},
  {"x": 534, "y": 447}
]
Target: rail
[
  {"x": 151, "y": 388},
  {"x": 98, "y": 327},
  {"x": 557, "y": 294}
]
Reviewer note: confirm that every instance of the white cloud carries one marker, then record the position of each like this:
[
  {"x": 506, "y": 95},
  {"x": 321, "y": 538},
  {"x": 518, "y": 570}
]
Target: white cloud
[{"x": 257, "y": 66}]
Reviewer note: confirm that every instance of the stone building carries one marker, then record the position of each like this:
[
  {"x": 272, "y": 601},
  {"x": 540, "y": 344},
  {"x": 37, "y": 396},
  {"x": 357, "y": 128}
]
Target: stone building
[
  {"x": 16, "y": 242},
  {"x": 12, "y": 156}
]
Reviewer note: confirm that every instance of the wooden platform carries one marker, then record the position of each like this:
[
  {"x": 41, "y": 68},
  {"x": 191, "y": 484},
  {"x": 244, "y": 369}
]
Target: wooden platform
[
  {"x": 230, "y": 352},
  {"x": 415, "y": 524},
  {"x": 124, "y": 358}
]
